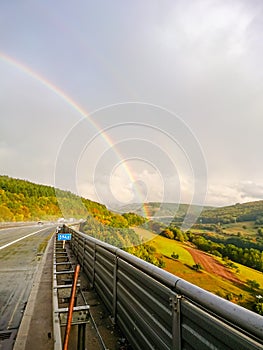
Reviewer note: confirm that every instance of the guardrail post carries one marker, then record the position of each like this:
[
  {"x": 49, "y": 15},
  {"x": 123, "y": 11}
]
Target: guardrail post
[
  {"x": 176, "y": 327},
  {"x": 83, "y": 257},
  {"x": 93, "y": 267},
  {"x": 81, "y": 336},
  {"x": 114, "y": 303}
]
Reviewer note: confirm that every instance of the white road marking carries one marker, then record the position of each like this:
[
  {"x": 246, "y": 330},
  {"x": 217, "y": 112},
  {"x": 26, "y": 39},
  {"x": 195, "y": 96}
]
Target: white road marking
[{"x": 20, "y": 239}]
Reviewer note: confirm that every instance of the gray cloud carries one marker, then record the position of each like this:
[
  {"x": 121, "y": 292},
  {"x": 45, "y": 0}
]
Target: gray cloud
[
  {"x": 250, "y": 190},
  {"x": 200, "y": 59}
]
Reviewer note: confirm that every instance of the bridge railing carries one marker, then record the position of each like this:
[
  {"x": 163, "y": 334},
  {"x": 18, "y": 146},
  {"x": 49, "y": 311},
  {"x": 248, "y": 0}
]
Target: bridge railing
[{"x": 157, "y": 310}]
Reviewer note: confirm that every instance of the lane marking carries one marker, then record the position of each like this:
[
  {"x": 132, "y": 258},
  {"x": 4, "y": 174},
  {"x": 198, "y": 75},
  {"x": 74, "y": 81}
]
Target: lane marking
[{"x": 20, "y": 239}]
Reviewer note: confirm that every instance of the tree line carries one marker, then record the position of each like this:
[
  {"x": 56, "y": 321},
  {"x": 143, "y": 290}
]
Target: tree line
[
  {"x": 250, "y": 211},
  {"x": 250, "y": 257}
]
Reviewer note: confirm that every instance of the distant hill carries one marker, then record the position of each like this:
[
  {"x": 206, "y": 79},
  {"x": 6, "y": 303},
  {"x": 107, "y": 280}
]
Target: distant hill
[
  {"x": 159, "y": 210},
  {"x": 250, "y": 211}
]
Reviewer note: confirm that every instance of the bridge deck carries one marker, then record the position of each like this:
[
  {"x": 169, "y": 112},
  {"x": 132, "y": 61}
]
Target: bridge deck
[{"x": 36, "y": 330}]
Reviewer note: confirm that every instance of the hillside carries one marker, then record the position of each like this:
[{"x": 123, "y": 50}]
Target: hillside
[
  {"x": 251, "y": 211},
  {"x": 22, "y": 200},
  {"x": 162, "y": 210},
  {"x": 233, "y": 281}
]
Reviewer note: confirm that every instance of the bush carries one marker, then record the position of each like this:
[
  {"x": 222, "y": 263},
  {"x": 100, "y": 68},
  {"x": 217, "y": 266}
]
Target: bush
[
  {"x": 197, "y": 267},
  {"x": 175, "y": 256}
]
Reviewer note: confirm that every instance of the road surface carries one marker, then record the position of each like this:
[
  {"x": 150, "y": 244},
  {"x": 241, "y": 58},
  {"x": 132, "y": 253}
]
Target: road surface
[{"x": 21, "y": 249}]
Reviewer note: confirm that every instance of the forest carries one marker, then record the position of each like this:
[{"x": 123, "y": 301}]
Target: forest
[
  {"x": 22, "y": 200},
  {"x": 251, "y": 211}
]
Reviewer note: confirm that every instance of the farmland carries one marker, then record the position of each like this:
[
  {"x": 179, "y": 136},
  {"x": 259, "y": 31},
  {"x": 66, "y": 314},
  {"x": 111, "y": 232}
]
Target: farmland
[{"x": 214, "y": 275}]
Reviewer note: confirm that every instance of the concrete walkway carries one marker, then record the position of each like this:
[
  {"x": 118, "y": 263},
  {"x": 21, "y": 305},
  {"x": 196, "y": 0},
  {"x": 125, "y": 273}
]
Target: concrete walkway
[{"x": 35, "y": 331}]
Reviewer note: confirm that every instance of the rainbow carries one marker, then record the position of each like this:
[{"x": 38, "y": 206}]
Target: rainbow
[{"x": 61, "y": 94}]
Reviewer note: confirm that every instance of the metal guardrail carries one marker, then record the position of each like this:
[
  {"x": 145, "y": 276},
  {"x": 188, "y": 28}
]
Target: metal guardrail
[{"x": 157, "y": 310}]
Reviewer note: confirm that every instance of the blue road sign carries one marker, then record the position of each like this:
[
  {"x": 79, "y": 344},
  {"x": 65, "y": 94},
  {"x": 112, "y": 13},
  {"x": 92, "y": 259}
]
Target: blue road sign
[{"x": 64, "y": 236}]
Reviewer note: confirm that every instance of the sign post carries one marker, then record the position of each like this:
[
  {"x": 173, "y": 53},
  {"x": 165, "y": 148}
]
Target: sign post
[{"x": 64, "y": 237}]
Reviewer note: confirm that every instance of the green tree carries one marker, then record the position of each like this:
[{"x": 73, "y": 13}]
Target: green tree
[
  {"x": 197, "y": 267},
  {"x": 168, "y": 233}
]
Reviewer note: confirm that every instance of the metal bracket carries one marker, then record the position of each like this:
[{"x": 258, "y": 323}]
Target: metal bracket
[
  {"x": 62, "y": 263},
  {"x": 66, "y": 286},
  {"x": 175, "y": 302},
  {"x": 81, "y": 315},
  {"x": 65, "y": 272}
]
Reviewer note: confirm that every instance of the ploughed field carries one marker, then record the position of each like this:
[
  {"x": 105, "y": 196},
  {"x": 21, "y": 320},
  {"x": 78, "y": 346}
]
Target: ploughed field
[{"x": 211, "y": 265}]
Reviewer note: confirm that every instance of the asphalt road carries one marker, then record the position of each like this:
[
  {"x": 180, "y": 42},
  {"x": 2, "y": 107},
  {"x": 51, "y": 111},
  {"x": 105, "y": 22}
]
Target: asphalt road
[{"x": 20, "y": 251}]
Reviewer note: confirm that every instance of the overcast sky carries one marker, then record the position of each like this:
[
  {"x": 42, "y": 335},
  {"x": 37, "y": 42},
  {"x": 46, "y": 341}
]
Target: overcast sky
[{"x": 128, "y": 101}]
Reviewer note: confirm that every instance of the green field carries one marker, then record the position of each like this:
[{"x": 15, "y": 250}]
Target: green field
[
  {"x": 238, "y": 293},
  {"x": 245, "y": 229},
  {"x": 166, "y": 246},
  {"x": 246, "y": 273}
]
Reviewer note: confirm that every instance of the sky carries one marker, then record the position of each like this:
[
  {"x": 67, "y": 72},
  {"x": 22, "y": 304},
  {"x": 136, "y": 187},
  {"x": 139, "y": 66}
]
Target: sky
[{"x": 134, "y": 101}]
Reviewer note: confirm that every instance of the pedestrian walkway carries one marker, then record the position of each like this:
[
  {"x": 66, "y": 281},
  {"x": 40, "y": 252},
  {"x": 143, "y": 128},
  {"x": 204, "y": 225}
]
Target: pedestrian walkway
[{"x": 35, "y": 331}]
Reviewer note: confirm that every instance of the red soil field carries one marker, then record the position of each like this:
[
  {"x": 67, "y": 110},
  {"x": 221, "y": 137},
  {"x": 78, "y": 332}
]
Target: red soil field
[{"x": 212, "y": 265}]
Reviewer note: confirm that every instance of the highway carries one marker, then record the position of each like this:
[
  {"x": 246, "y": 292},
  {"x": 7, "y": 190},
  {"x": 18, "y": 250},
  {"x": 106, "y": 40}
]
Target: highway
[{"x": 20, "y": 251}]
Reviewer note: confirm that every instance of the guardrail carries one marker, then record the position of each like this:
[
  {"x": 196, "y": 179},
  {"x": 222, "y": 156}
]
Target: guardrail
[{"x": 157, "y": 310}]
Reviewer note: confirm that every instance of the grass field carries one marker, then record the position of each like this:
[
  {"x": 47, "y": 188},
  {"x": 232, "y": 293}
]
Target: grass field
[
  {"x": 246, "y": 273},
  {"x": 237, "y": 292},
  {"x": 166, "y": 246},
  {"x": 246, "y": 228}
]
